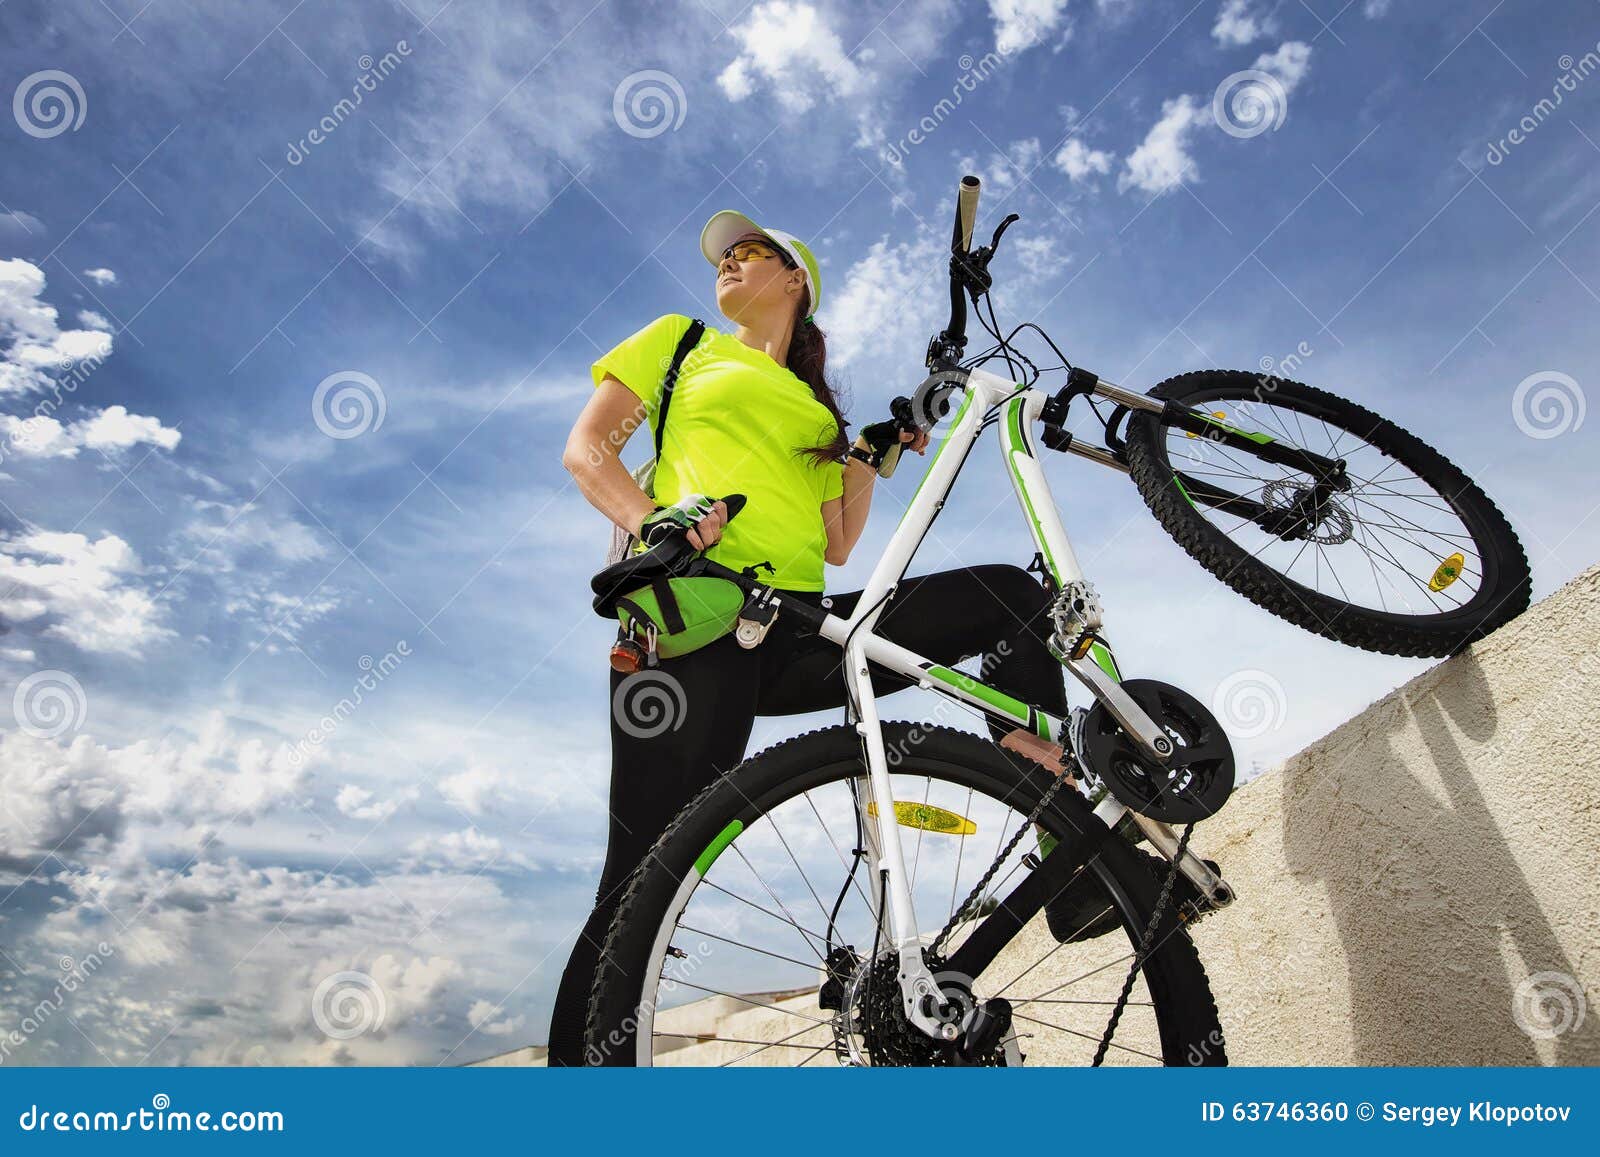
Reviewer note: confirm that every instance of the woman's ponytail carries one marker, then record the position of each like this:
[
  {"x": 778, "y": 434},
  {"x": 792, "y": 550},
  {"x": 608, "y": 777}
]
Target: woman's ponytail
[{"x": 808, "y": 360}]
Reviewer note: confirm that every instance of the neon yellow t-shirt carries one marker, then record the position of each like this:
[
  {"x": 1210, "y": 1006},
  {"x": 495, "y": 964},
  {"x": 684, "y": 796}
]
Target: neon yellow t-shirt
[{"x": 735, "y": 421}]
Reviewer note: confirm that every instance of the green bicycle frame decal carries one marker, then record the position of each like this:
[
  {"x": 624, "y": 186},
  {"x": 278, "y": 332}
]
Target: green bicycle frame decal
[{"x": 1211, "y": 420}]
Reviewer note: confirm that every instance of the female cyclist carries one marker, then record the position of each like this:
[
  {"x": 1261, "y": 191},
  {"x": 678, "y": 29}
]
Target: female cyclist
[{"x": 753, "y": 414}]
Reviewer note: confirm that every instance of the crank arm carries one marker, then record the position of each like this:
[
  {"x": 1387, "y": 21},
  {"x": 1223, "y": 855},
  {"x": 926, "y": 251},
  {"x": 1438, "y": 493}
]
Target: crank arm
[
  {"x": 1210, "y": 885},
  {"x": 1154, "y": 741}
]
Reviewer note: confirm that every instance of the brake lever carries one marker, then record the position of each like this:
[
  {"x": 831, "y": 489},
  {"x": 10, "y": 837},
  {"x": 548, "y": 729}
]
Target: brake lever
[{"x": 974, "y": 267}]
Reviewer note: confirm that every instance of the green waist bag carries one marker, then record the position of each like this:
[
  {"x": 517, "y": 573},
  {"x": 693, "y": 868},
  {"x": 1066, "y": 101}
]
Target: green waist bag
[{"x": 678, "y": 615}]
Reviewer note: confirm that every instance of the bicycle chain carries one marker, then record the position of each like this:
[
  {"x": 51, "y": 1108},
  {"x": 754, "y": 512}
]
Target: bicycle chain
[
  {"x": 1143, "y": 951},
  {"x": 971, "y": 901}
]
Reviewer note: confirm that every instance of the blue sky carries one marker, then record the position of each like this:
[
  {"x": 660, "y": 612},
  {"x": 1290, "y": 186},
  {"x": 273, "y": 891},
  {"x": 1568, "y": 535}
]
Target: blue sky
[{"x": 181, "y": 537}]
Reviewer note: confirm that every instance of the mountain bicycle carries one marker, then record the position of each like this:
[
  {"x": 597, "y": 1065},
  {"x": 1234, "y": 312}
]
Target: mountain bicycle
[{"x": 794, "y": 893}]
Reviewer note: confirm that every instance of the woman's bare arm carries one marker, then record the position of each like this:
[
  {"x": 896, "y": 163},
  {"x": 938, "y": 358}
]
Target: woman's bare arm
[
  {"x": 592, "y": 457},
  {"x": 845, "y": 517}
]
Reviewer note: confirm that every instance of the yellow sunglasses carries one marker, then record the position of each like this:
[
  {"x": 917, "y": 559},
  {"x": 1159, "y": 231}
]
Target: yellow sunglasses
[{"x": 742, "y": 251}]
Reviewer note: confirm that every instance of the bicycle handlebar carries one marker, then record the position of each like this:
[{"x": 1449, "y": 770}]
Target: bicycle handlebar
[{"x": 945, "y": 349}]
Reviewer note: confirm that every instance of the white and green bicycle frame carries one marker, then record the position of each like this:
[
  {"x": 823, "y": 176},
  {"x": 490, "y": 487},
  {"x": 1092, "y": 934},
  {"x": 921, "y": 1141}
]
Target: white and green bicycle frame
[{"x": 1014, "y": 412}]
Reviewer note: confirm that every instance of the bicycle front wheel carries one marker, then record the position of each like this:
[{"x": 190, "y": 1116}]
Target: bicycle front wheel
[
  {"x": 749, "y": 936},
  {"x": 1409, "y": 558}
]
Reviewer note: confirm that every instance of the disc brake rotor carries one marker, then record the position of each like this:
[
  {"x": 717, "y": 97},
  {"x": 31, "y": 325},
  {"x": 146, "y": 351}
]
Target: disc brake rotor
[{"x": 1334, "y": 524}]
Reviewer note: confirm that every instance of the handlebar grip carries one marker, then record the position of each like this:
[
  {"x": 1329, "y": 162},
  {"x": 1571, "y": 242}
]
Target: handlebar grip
[
  {"x": 734, "y": 503},
  {"x": 966, "y": 214}
]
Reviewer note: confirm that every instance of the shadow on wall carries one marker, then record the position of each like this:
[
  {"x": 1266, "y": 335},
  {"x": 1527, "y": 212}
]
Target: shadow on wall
[{"x": 1436, "y": 916}]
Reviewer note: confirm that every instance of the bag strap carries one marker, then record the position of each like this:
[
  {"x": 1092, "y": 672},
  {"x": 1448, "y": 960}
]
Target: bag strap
[
  {"x": 667, "y": 603},
  {"x": 671, "y": 613},
  {"x": 690, "y": 339}
]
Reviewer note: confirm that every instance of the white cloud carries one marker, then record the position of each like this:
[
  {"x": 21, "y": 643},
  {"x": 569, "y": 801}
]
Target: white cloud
[
  {"x": 226, "y": 532},
  {"x": 101, "y": 276},
  {"x": 18, "y": 226},
  {"x": 465, "y": 850},
  {"x": 1079, "y": 162},
  {"x": 1375, "y": 8},
  {"x": 359, "y": 804},
  {"x": 477, "y": 789},
  {"x": 1289, "y": 64},
  {"x": 1240, "y": 22},
  {"x": 481, "y": 1016},
  {"x": 1162, "y": 159},
  {"x": 68, "y": 798},
  {"x": 112, "y": 428},
  {"x": 887, "y": 298},
  {"x": 1039, "y": 256},
  {"x": 1020, "y": 24},
  {"x": 91, "y": 319},
  {"x": 790, "y": 48},
  {"x": 83, "y": 587},
  {"x": 33, "y": 346},
  {"x": 58, "y": 801}
]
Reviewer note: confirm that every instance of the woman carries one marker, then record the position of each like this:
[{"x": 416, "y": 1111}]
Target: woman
[{"x": 752, "y": 414}]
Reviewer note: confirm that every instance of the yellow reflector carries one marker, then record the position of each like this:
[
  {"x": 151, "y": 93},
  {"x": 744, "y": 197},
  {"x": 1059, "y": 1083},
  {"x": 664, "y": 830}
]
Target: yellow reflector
[
  {"x": 1449, "y": 570},
  {"x": 928, "y": 818},
  {"x": 1214, "y": 414}
]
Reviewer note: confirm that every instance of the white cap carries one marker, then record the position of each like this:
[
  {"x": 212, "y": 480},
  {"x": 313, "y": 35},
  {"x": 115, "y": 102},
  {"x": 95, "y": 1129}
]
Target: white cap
[{"x": 729, "y": 225}]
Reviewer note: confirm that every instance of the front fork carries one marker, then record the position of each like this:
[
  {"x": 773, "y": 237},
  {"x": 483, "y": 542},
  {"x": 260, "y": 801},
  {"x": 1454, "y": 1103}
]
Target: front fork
[{"x": 919, "y": 992}]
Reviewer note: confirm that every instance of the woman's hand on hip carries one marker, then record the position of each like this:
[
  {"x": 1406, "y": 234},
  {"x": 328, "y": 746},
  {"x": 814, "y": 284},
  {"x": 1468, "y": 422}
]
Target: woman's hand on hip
[
  {"x": 708, "y": 530},
  {"x": 699, "y": 519}
]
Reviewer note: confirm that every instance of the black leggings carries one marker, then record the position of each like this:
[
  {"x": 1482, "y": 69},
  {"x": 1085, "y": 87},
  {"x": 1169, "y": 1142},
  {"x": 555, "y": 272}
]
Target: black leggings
[{"x": 994, "y": 611}]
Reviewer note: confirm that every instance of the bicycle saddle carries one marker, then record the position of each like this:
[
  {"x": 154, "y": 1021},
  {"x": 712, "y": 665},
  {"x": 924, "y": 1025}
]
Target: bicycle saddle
[{"x": 673, "y": 557}]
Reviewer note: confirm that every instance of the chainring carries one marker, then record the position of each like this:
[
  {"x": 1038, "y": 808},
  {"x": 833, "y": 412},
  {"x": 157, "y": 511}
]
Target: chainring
[{"x": 1199, "y": 779}]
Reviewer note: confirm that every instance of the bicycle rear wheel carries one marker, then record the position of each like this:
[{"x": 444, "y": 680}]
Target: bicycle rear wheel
[
  {"x": 1411, "y": 559},
  {"x": 745, "y": 938}
]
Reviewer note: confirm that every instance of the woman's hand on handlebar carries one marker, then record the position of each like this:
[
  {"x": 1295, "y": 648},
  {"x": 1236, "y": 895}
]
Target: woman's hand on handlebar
[{"x": 915, "y": 440}]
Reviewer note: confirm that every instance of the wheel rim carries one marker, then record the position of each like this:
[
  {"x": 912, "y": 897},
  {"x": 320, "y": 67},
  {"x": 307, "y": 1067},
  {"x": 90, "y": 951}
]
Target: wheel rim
[
  {"x": 748, "y": 938},
  {"x": 1394, "y": 544}
]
